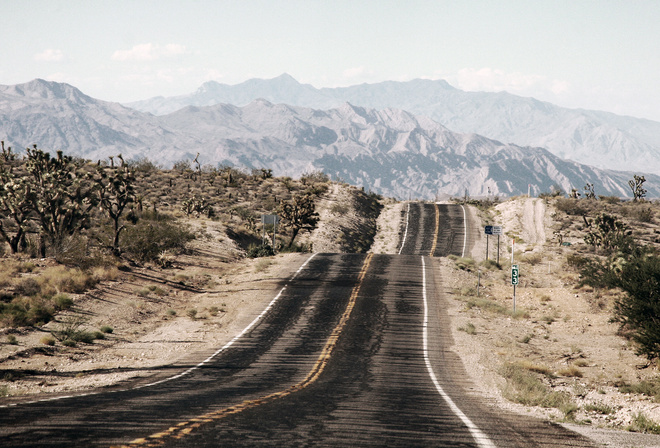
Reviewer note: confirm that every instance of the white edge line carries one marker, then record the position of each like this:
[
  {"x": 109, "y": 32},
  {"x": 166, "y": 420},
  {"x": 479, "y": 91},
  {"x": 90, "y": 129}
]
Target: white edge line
[
  {"x": 186, "y": 372},
  {"x": 405, "y": 234},
  {"x": 482, "y": 439},
  {"x": 238, "y": 336},
  {"x": 464, "y": 231}
]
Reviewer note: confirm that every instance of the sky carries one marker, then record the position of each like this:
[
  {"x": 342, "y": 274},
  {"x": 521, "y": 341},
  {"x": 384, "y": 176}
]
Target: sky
[{"x": 591, "y": 54}]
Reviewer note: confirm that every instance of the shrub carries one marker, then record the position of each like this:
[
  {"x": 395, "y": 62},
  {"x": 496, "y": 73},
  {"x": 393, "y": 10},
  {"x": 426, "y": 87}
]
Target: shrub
[
  {"x": 641, "y": 423},
  {"x": 47, "y": 340},
  {"x": 263, "y": 250},
  {"x": 571, "y": 206},
  {"x": 62, "y": 301},
  {"x": 149, "y": 238},
  {"x": 106, "y": 329},
  {"x": 192, "y": 313},
  {"x": 27, "y": 287},
  {"x": 63, "y": 279},
  {"x": 469, "y": 328}
]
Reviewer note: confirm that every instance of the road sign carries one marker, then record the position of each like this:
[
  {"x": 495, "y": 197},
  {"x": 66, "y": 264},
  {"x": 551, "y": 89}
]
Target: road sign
[
  {"x": 493, "y": 230},
  {"x": 270, "y": 219},
  {"x": 514, "y": 274}
]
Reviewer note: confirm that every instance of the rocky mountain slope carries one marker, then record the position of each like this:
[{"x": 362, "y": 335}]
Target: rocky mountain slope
[
  {"x": 596, "y": 138},
  {"x": 388, "y": 151}
]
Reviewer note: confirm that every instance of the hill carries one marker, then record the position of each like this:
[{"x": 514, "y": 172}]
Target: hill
[
  {"x": 388, "y": 151},
  {"x": 596, "y": 138}
]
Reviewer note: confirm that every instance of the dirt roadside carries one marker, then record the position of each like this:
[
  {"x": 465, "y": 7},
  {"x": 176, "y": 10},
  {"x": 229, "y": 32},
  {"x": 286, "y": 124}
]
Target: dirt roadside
[{"x": 563, "y": 332}]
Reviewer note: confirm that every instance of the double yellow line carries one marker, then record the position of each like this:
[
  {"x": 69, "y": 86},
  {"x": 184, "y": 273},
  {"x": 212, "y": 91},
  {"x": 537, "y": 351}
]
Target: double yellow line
[
  {"x": 437, "y": 229},
  {"x": 184, "y": 428}
]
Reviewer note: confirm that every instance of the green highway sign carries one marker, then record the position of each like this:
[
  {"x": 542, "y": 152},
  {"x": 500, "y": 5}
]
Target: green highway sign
[{"x": 514, "y": 274}]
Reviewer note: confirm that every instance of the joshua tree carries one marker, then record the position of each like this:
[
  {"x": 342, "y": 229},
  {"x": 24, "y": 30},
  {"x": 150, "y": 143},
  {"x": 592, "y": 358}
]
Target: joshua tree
[
  {"x": 300, "y": 214},
  {"x": 62, "y": 195},
  {"x": 638, "y": 190},
  {"x": 115, "y": 192}
]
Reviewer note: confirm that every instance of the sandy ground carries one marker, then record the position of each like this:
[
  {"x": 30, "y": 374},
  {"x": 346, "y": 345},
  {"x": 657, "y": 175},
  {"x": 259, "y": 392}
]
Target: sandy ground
[
  {"x": 564, "y": 327},
  {"x": 564, "y": 331}
]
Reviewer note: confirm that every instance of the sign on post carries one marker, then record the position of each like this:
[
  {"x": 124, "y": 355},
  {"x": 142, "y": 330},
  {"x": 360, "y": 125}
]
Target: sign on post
[
  {"x": 269, "y": 219},
  {"x": 493, "y": 230},
  {"x": 515, "y": 279}
]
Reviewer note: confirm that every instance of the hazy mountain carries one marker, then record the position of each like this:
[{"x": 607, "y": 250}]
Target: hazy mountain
[
  {"x": 598, "y": 138},
  {"x": 389, "y": 151}
]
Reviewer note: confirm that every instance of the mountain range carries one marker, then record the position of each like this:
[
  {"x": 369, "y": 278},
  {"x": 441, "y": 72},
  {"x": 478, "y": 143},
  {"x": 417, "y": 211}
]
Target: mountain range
[
  {"x": 388, "y": 150},
  {"x": 601, "y": 139}
]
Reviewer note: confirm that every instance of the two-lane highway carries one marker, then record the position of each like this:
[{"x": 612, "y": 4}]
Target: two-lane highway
[{"x": 353, "y": 351}]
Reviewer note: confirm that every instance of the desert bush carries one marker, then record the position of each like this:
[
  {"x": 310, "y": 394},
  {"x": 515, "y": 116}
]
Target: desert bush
[
  {"x": 465, "y": 264},
  {"x": 637, "y": 273},
  {"x": 146, "y": 240},
  {"x": 70, "y": 331},
  {"x": 599, "y": 408},
  {"x": 610, "y": 199},
  {"x": 524, "y": 386},
  {"x": 62, "y": 301},
  {"x": 650, "y": 388},
  {"x": 27, "y": 287},
  {"x": 641, "y": 423},
  {"x": 23, "y": 311},
  {"x": 62, "y": 279},
  {"x": 469, "y": 328},
  {"x": 571, "y": 206},
  {"x": 47, "y": 340},
  {"x": 106, "y": 329},
  {"x": 262, "y": 250}
]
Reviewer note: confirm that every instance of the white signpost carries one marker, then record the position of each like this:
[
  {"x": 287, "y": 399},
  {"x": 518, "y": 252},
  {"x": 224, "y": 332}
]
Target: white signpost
[{"x": 269, "y": 219}]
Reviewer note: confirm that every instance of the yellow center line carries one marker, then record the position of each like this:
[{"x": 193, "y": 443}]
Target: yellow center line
[
  {"x": 437, "y": 229},
  {"x": 184, "y": 428}
]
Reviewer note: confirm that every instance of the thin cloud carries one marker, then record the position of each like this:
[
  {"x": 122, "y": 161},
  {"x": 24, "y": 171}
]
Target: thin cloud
[
  {"x": 149, "y": 52},
  {"x": 50, "y": 55}
]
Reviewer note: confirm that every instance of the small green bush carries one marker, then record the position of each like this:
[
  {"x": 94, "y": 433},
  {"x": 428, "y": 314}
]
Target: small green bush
[
  {"x": 641, "y": 423},
  {"x": 62, "y": 301},
  {"x": 262, "y": 250},
  {"x": 146, "y": 240},
  {"x": 106, "y": 329},
  {"x": 469, "y": 328},
  {"x": 27, "y": 287}
]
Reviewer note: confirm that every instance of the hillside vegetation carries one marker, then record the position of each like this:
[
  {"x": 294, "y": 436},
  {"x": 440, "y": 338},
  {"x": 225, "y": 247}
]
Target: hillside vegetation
[{"x": 73, "y": 230}]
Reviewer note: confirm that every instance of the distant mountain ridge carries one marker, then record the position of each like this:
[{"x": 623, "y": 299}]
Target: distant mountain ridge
[
  {"x": 389, "y": 151},
  {"x": 597, "y": 138}
]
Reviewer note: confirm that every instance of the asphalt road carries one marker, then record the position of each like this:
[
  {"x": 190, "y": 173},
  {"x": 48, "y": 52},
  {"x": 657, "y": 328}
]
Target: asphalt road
[{"x": 353, "y": 352}]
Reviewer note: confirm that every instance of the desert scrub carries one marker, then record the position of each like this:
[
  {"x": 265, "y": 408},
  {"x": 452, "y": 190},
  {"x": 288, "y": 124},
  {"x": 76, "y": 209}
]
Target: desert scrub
[
  {"x": 463, "y": 263},
  {"x": 649, "y": 388},
  {"x": 494, "y": 307},
  {"x": 192, "y": 313},
  {"x": 47, "y": 340},
  {"x": 571, "y": 371},
  {"x": 150, "y": 237},
  {"x": 641, "y": 423},
  {"x": 599, "y": 408},
  {"x": 469, "y": 328},
  {"x": 525, "y": 387},
  {"x": 61, "y": 279},
  {"x": 262, "y": 265}
]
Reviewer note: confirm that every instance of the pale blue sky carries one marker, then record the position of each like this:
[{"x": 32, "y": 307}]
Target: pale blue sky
[{"x": 601, "y": 54}]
